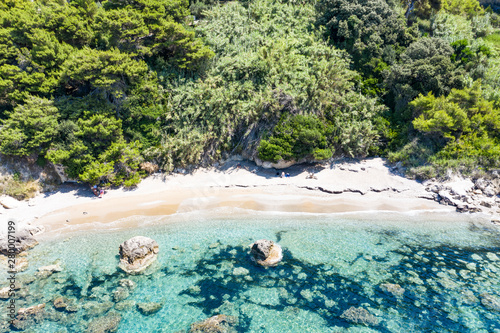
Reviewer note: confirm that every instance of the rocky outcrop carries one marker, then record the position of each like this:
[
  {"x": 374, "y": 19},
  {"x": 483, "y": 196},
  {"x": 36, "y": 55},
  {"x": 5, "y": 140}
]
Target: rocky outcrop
[
  {"x": 482, "y": 195},
  {"x": 360, "y": 316},
  {"x": 137, "y": 253},
  {"x": 215, "y": 324},
  {"x": 266, "y": 253},
  {"x": 105, "y": 324},
  {"x": 394, "y": 289},
  {"x": 120, "y": 294},
  {"x": 22, "y": 240},
  {"x": 149, "y": 308},
  {"x": 29, "y": 316}
]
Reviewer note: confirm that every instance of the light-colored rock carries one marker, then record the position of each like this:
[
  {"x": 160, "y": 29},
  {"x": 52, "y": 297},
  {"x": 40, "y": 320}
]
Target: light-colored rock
[
  {"x": 46, "y": 271},
  {"x": 65, "y": 304},
  {"x": 124, "y": 305},
  {"x": 9, "y": 202},
  {"x": 149, "y": 308},
  {"x": 216, "y": 324},
  {"x": 29, "y": 316},
  {"x": 4, "y": 293},
  {"x": 23, "y": 240},
  {"x": 120, "y": 294},
  {"x": 394, "y": 289},
  {"x": 266, "y": 253},
  {"x": 105, "y": 324},
  {"x": 126, "y": 283},
  {"x": 137, "y": 253},
  {"x": 360, "y": 316},
  {"x": 490, "y": 302},
  {"x": 240, "y": 271}
]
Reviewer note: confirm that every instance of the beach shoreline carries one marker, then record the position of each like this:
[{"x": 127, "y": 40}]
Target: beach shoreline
[{"x": 359, "y": 186}]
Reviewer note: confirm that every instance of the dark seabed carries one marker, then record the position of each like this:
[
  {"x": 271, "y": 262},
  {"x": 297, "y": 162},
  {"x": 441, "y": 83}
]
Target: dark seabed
[{"x": 339, "y": 273}]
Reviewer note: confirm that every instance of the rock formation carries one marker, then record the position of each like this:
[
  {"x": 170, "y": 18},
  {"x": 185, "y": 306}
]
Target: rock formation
[
  {"x": 215, "y": 324},
  {"x": 149, "y": 308},
  {"x": 360, "y": 316},
  {"x": 394, "y": 289},
  {"x": 137, "y": 253},
  {"x": 29, "y": 316},
  {"x": 23, "y": 240},
  {"x": 108, "y": 323},
  {"x": 266, "y": 253}
]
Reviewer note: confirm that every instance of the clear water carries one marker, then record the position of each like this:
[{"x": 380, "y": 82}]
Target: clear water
[{"x": 331, "y": 263}]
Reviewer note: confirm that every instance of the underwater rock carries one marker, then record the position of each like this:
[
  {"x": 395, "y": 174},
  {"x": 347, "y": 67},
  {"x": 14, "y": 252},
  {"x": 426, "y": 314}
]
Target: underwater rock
[
  {"x": 93, "y": 308},
  {"x": 240, "y": 271},
  {"x": 65, "y": 304},
  {"x": 137, "y": 253},
  {"x": 23, "y": 240},
  {"x": 215, "y": 324},
  {"x": 149, "y": 308},
  {"x": 20, "y": 265},
  {"x": 124, "y": 305},
  {"x": 126, "y": 283},
  {"x": 108, "y": 323},
  {"x": 360, "y": 316},
  {"x": 391, "y": 288},
  {"x": 46, "y": 271},
  {"x": 120, "y": 294},
  {"x": 490, "y": 302},
  {"x": 266, "y": 253},
  {"x": 4, "y": 293},
  {"x": 29, "y": 316}
]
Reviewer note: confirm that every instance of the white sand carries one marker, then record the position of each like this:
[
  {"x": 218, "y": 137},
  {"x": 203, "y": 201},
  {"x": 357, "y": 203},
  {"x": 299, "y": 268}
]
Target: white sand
[{"x": 367, "y": 185}]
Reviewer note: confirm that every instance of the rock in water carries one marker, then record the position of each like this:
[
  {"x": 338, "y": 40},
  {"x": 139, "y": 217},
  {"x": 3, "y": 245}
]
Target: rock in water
[
  {"x": 491, "y": 302},
  {"x": 266, "y": 253},
  {"x": 29, "y": 316},
  {"x": 394, "y": 289},
  {"x": 360, "y": 316},
  {"x": 23, "y": 240},
  {"x": 108, "y": 323},
  {"x": 215, "y": 324},
  {"x": 137, "y": 253},
  {"x": 149, "y": 308}
]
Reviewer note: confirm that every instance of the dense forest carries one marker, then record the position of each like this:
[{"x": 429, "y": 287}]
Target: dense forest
[{"x": 118, "y": 88}]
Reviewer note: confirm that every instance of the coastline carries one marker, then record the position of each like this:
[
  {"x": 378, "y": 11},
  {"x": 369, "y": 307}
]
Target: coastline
[{"x": 345, "y": 187}]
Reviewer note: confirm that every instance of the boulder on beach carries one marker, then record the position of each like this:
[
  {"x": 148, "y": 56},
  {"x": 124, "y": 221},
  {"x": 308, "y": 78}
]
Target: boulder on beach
[
  {"x": 360, "y": 316},
  {"x": 137, "y": 253},
  {"x": 266, "y": 253},
  {"x": 23, "y": 240},
  {"x": 216, "y": 324}
]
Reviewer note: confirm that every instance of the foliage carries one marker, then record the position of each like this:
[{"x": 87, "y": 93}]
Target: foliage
[
  {"x": 29, "y": 128},
  {"x": 462, "y": 131},
  {"x": 295, "y": 138},
  {"x": 426, "y": 66}
]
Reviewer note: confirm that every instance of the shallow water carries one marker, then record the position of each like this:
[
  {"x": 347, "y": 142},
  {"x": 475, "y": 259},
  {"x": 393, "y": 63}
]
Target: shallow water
[{"x": 446, "y": 265}]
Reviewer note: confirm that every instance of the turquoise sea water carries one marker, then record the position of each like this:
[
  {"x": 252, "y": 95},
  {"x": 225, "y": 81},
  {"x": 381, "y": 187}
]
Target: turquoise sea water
[{"x": 448, "y": 266}]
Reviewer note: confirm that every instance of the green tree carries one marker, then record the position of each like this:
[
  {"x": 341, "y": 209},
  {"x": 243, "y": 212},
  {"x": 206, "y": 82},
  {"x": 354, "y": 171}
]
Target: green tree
[{"x": 29, "y": 128}]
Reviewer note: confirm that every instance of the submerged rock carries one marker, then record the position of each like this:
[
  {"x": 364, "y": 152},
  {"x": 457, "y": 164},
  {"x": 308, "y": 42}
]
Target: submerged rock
[
  {"x": 120, "y": 294},
  {"x": 360, "y": 316},
  {"x": 149, "y": 308},
  {"x": 490, "y": 302},
  {"x": 137, "y": 253},
  {"x": 46, "y": 271},
  {"x": 4, "y": 293},
  {"x": 108, "y": 323},
  {"x": 126, "y": 283},
  {"x": 93, "y": 308},
  {"x": 394, "y": 289},
  {"x": 65, "y": 304},
  {"x": 29, "y": 316},
  {"x": 266, "y": 253},
  {"x": 215, "y": 324},
  {"x": 124, "y": 305}
]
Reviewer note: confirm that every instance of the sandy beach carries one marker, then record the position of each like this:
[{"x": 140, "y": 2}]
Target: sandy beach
[{"x": 367, "y": 185}]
